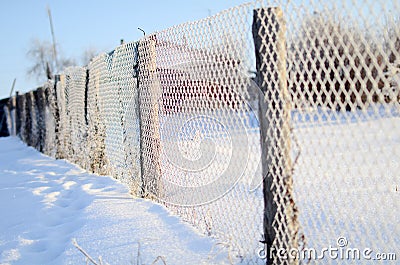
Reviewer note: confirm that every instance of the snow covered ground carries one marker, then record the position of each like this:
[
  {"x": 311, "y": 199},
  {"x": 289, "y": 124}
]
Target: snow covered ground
[
  {"x": 346, "y": 182},
  {"x": 346, "y": 186},
  {"x": 46, "y": 203}
]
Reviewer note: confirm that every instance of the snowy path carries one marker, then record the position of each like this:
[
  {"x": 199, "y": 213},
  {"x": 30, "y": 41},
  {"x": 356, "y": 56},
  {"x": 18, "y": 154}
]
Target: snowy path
[{"x": 45, "y": 203}]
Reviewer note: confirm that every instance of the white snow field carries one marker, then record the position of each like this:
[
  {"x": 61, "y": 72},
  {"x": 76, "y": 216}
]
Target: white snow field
[
  {"x": 46, "y": 203},
  {"x": 346, "y": 183}
]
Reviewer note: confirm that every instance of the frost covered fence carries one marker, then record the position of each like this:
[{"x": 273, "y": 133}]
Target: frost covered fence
[{"x": 273, "y": 126}]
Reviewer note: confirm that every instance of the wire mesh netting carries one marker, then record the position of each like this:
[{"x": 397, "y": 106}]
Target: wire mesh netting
[
  {"x": 272, "y": 126},
  {"x": 97, "y": 159}
]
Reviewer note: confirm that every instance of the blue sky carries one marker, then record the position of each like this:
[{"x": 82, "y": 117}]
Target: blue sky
[{"x": 80, "y": 24}]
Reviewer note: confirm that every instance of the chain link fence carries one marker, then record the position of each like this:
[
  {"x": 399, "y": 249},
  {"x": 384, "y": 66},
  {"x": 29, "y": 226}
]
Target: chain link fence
[{"x": 272, "y": 126}]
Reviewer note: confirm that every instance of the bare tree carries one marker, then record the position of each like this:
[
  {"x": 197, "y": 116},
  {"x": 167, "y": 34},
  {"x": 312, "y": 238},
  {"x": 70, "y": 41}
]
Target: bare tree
[
  {"x": 88, "y": 55},
  {"x": 43, "y": 62},
  {"x": 392, "y": 46},
  {"x": 392, "y": 40},
  {"x": 40, "y": 53},
  {"x": 334, "y": 64}
]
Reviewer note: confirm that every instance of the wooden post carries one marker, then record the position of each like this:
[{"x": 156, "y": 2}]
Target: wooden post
[
  {"x": 56, "y": 97},
  {"x": 149, "y": 93},
  {"x": 28, "y": 130},
  {"x": 39, "y": 112},
  {"x": 141, "y": 188},
  {"x": 4, "y": 120},
  {"x": 52, "y": 100},
  {"x": 86, "y": 99},
  {"x": 13, "y": 105},
  {"x": 13, "y": 111},
  {"x": 280, "y": 214},
  {"x": 4, "y": 109}
]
